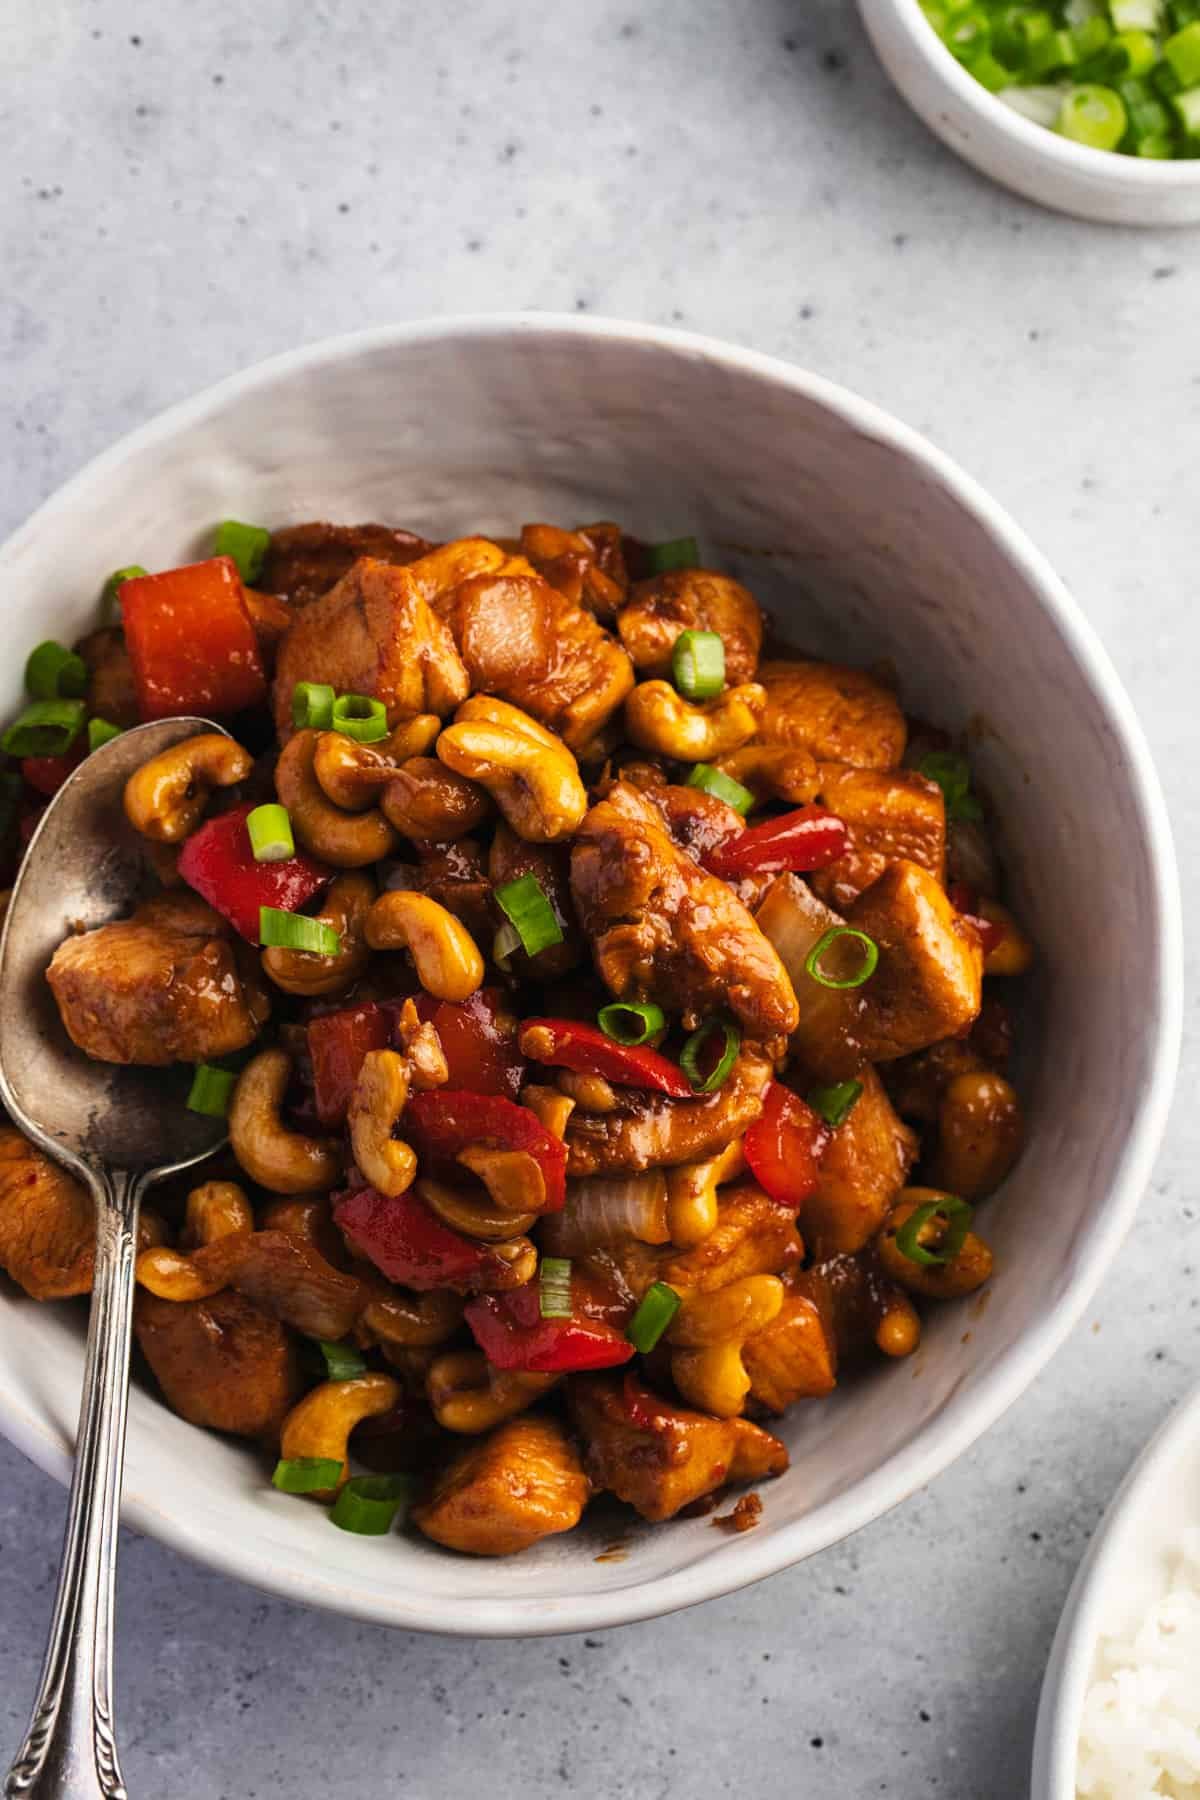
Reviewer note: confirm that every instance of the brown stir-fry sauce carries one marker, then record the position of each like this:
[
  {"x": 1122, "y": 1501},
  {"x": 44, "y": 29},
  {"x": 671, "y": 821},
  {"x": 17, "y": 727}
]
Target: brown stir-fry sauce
[{"x": 612, "y": 1043}]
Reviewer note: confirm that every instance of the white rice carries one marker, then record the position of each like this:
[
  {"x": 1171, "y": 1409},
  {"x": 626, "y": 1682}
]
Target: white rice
[{"x": 1140, "y": 1735}]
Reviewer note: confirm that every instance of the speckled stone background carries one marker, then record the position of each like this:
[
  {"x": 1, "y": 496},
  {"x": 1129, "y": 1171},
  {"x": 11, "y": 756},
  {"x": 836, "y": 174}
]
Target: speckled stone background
[{"x": 185, "y": 189}]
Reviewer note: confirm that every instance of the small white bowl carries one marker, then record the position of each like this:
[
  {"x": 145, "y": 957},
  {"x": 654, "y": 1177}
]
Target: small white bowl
[
  {"x": 1119, "y": 1580},
  {"x": 1092, "y": 184},
  {"x": 867, "y": 543}
]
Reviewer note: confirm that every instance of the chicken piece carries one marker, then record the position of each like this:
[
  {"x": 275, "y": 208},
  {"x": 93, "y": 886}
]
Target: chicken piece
[
  {"x": 691, "y": 600},
  {"x": 183, "y": 912},
  {"x": 587, "y": 564},
  {"x": 648, "y": 1131},
  {"x": 111, "y": 693},
  {"x": 47, "y": 1222},
  {"x": 792, "y": 1358},
  {"x": 270, "y": 618},
  {"x": 501, "y": 1493},
  {"x": 887, "y": 814},
  {"x": 840, "y": 715},
  {"x": 916, "y": 1083},
  {"x": 660, "y": 1458},
  {"x": 305, "y": 561},
  {"x": 663, "y": 930},
  {"x": 861, "y": 1173},
  {"x": 375, "y": 633},
  {"x": 455, "y": 876},
  {"x": 287, "y": 1278},
  {"x": 137, "y": 993},
  {"x": 511, "y": 857},
  {"x": 221, "y": 1363},
  {"x": 523, "y": 641},
  {"x": 752, "y": 1236},
  {"x": 696, "y": 821},
  {"x": 929, "y": 981}
]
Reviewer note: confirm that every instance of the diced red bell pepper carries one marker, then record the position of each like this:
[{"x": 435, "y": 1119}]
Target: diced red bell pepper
[
  {"x": 444, "y": 1121},
  {"x": 412, "y": 1247},
  {"x": 191, "y": 641},
  {"x": 965, "y": 900},
  {"x": 218, "y": 861},
  {"x": 511, "y": 1332},
  {"x": 338, "y": 1043},
  {"x": 569, "y": 1044},
  {"x": 479, "y": 1039},
  {"x": 784, "y": 1147},
  {"x": 807, "y": 838},
  {"x": 46, "y": 774}
]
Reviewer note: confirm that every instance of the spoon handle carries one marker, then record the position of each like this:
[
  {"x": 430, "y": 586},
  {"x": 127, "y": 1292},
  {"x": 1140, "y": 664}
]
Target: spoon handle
[{"x": 70, "y": 1750}]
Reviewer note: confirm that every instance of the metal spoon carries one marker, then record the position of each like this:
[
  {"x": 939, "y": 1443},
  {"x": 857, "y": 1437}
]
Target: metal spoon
[{"x": 119, "y": 1130}]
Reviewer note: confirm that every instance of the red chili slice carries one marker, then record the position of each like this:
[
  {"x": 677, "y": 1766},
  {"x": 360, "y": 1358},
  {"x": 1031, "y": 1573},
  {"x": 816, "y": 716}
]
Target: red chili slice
[
  {"x": 441, "y": 1123},
  {"x": 511, "y": 1332},
  {"x": 218, "y": 862},
  {"x": 806, "y": 839},
  {"x": 784, "y": 1147},
  {"x": 191, "y": 641},
  {"x": 338, "y": 1043},
  {"x": 412, "y": 1247},
  {"x": 479, "y": 1040},
  {"x": 568, "y": 1044}
]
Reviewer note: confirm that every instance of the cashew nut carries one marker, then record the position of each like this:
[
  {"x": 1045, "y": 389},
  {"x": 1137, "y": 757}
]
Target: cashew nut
[
  {"x": 965, "y": 1272},
  {"x": 218, "y": 1209},
  {"x": 590, "y": 1093},
  {"x": 660, "y": 719},
  {"x": 352, "y": 775},
  {"x": 347, "y": 840},
  {"x": 448, "y": 964},
  {"x": 345, "y": 907},
  {"x": 466, "y": 1394},
  {"x": 549, "y": 1107},
  {"x": 427, "y": 1065},
  {"x": 899, "y": 1329},
  {"x": 380, "y": 1096},
  {"x": 215, "y": 1210},
  {"x": 429, "y": 802},
  {"x": 530, "y": 774},
  {"x": 321, "y": 1424},
  {"x": 773, "y": 772},
  {"x": 165, "y": 799},
  {"x": 1013, "y": 955},
  {"x": 412, "y": 1321},
  {"x": 286, "y": 1162},
  {"x": 710, "y": 1330},
  {"x": 980, "y": 1133},
  {"x": 692, "y": 1194},
  {"x": 472, "y": 1216},
  {"x": 513, "y": 1178}
]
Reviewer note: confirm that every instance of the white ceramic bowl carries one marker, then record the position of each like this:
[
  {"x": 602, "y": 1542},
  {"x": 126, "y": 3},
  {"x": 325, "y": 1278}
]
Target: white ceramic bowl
[
  {"x": 869, "y": 543},
  {"x": 1092, "y": 184},
  {"x": 1123, "y": 1575}
]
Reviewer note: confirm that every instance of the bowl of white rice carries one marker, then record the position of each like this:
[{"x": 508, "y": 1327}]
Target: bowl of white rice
[{"x": 1120, "y": 1711}]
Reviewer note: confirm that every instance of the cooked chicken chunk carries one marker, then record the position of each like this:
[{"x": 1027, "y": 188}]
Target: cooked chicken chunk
[
  {"x": 501, "y": 1493},
  {"x": 375, "y": 633},
  {"x": 648, "y": 1131},
  {"x": 862, "y": 1171},
  {"x": 752, "y": 1236},
  {"x": 523, "y": 641},
  {"x": 696, "y": 821},
  {"x": 111, "y": 693},
  {"x": 136, "y": 993},
  {"x": 47, "y": 1222},
  {"x": 221, "y": 1362},
  {"x": 887, "y": 814},
  {"x": 691, "y": 600},
  {"x": 305, "y": 561},
  {"x": 838, "y": 714},
  {"x": 929, "y": 981},
  {"x": 792, "y": 1358},
  {"x": 587, "y": 564},
  {"x": 663, "y": 930},
  {"x": 658, "y": 1457},
  {"x": 286, "y": 1278}
]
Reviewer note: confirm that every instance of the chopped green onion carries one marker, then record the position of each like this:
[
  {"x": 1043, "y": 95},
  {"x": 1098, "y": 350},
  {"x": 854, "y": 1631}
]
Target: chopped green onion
[
  {"x": 247, "y": 544},
  {"x": 554, "y": 1287},
  {"x": 55, "y": 673},
  {"x": 659, "y": 1305},
  {"x": 957, "y": 1215},
  {"x": 47, "y": 728},
  {"x": 1187, "y": 106},
  {"x": 812, "y": 962},
  {"x": 698, "y": 664},
  {"x": 1132, "y": 53},
  {"x": 631, "y": 1021},
  {"x": 368, "y": 1504},
  {"x": 211, "y": 1090},
  {"x": 306, "y": 1474},
  {"x": 836, "y": 1103},
  {"x": 676, "y": 553},
  {"x": 524, "y": 904},
  {"x": 281, "y": 930},
  {"x": 693, "y": 1049},
  {"x": 111, "y": 595},
  {"x": 1050, "y": 54},
  {"x": 506, "y": 940},
  {"x": 359, "y": 717},
  {"x": 312, "y": 706},
  {"x": 952, "y": 772},
  {"x": 1095, "y": 116},
  {"x": 968, "y": 33},
  {"x": 342, "y": 1361},
  {"x": 1136, "y": 15},
  {"x": 101, "y": 732},
  {"x": 270, "y": 831},
  {"x": 714, "y": 781}
]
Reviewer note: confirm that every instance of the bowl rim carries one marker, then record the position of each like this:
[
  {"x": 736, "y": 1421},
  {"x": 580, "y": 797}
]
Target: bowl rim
[
  {"x": 748, "y": 1558},
  {"x": 1064, "y": 1686},
  {"x": 1130, "y": 172}
]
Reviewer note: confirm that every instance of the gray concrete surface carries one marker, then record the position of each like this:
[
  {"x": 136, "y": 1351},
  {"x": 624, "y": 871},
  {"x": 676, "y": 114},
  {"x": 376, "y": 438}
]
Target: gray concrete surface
[{"x": 185, "y": 189}]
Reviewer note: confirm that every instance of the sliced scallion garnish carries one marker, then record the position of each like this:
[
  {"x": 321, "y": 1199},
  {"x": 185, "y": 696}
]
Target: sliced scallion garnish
[
  {"x": 47, "y": 728},
  {"x": 53, "y": 672},
  {"x": 246, "y": 544},
  {"x": 101, "y": 732},
  {"x": 281, "y": 930},
  {"x": 711, "y": 780},
  {"x": 306, "y": 1474},
  {"x": 957, "y": 1215},
  {"x": 270, "y": 831},
  {"x": 825, "y": 943},
  {"x": 111, "y": 595},
  {"x": 554, "y": 1287},
  {"x": 524, "y": 904},
  {"x": 211, "y": 1090},
  {"x": 698, "y": 664},
  {"x": 312, "y": 706},
  {"x": 676, "y": 553},
  {"x": 836, "y": 1103},
  {"x": 690, "y": 1057},
  {"x": 631, "y": 1021},
  {"x": 342, "y": 1361},
  {"x": 368, "y": 1504},
  {"x": 659, "y": 1305},
  {"x": 359, "y": 717}
]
